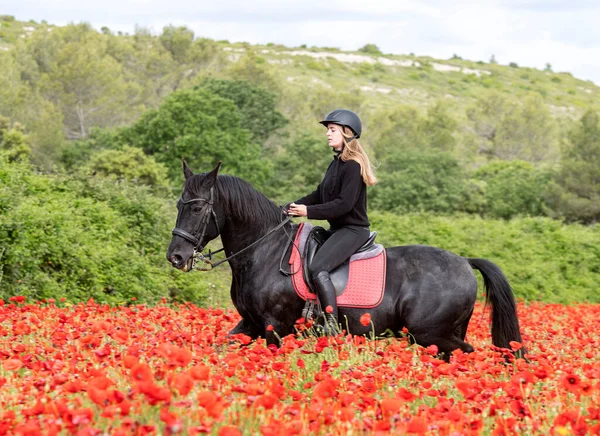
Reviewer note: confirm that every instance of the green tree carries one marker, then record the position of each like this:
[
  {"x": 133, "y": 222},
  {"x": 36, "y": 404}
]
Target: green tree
[
  {"x": 371, "y": 49},
  {"x": 13, "y": 141},
  {"x": 514, "y": 188},
  {"x": 87, "y": 83},
  {"x": 299, "y": 167},
  {"x": 177, "y": 41},
  {"x": 419, "y": 180},
  {"x": 396, "y": 131},
  {"x": 509, "y": 129},
  {"x": 575, "y": 194},
  {"x": 257, "y": 106},
  {"x": 203, "y": 128}
]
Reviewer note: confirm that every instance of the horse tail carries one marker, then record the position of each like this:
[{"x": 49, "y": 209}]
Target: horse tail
[{"x": 499, "y": 295}]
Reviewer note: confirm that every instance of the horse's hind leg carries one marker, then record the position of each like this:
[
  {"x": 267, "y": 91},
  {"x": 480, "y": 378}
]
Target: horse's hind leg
[{"x": 446, "y": 345}]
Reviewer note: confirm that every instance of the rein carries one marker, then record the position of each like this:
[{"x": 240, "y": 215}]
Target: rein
[{"x": 204, "y": 219}]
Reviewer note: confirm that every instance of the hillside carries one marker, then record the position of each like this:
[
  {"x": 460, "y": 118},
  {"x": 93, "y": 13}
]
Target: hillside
[{"x": 386, "y": 79}]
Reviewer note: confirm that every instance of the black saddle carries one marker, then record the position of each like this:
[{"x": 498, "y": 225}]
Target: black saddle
[{"x": 339, "y": 276}]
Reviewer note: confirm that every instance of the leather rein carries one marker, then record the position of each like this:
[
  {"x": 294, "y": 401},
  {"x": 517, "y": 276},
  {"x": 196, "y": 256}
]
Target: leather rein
[{"x": 207, "y": 212}]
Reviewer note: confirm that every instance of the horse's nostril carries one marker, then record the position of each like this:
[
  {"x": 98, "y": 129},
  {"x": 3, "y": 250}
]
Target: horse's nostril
[{"x": 176, "y": 260}]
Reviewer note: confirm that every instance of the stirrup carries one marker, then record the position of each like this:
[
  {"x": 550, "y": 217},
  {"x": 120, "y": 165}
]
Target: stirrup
[{"x": 311, "y": 310}]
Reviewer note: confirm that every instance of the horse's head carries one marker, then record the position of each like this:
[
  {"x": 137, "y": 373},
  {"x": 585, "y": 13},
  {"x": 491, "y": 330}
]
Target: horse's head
[{"x": 197, "y": 218}]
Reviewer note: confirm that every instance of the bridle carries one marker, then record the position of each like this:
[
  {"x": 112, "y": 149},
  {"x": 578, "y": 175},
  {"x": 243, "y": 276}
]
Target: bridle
[{"x": 207, "y": 212}]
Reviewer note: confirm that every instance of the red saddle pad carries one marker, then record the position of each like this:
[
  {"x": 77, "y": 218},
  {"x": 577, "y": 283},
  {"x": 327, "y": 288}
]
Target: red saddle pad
[{"x": 366, "y": 278}]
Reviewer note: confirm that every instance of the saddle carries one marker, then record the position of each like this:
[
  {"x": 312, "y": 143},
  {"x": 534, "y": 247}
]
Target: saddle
[
  {"x": 359, "y": 282},
  {"x": 339, "y": 276}
]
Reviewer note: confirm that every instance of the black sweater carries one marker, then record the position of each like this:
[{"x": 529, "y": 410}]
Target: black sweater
[{"x": 341, "y": 197}]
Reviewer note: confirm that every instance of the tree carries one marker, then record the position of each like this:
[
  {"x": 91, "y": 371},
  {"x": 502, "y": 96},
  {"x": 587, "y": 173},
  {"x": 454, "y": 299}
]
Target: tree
[
  {"x": 257, "y": 106},
  {"x": 177, "y": 41},
  {"x": 204, "y": 129},
  {"x": 13, "y": 141},
  {"x": 405, "y": 128},
  {"x": 509, "y": 129},
  {"x": 440, "y": 127},
  {"x": 371, "y": 49},
  {"x": 511, "y": 189},
  {"x": 299, "y": 167},
  {"x": 87, "y": 84},
  {"x": 576, "y": 192},
  {"x": 419, "y": 180}
]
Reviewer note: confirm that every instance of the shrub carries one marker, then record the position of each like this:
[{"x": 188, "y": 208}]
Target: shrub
[{"x": 81, "y": 237}]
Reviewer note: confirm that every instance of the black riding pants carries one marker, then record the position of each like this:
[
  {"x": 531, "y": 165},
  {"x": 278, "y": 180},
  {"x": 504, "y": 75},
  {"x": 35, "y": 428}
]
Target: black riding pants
[{"x": 342, "y": 244}]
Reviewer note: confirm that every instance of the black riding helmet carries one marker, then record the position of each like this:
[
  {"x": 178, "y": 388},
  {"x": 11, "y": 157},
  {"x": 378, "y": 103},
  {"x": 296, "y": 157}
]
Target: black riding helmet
[{"x": 344, "y": 117}]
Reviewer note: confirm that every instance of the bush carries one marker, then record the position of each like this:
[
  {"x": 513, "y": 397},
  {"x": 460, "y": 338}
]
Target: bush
[
  {"x": 80, "y": 238},
  {"x": 513, "y": 188},
  {"x": 129, "y": 164},
  {"x": 414, "y": 181}
]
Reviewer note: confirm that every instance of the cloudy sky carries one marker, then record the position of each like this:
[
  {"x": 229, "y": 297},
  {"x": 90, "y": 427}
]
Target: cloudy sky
[{"x": 564, "y": 33}]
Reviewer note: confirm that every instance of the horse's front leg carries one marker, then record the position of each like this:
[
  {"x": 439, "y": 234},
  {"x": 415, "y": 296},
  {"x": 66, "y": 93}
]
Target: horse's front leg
[{"x": 247, "y": 328}]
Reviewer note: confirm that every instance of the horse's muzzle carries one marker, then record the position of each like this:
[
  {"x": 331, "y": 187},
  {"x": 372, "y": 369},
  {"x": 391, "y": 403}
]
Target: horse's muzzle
[{"x": 178, "y": 262}]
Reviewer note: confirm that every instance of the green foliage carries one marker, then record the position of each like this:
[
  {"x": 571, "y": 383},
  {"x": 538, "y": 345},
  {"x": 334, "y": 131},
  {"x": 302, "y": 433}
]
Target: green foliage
[
  {"x": 508, "y": 130},
  {"x": 130, "y": 164},
  {"x": 419, "y": 181},
  {"x": 81, "y": 237},
  {"x": 576, "y": 192},
  {"x": 85, "y": 82},
  {"x": 543, "y": 259},
  {"x": 203, "y": 128},
  {"x": 405, "y": 128},
  {"x": 371, "y": 49},
  {"x": 13, "y": 142},
  {"x": 77, "y": 153},
  {"x": 257, "y": 106},
  {"x": 308, "y": 153},
  {"x": 514, "y": 188},
  {"x": 177, "y": 41}
]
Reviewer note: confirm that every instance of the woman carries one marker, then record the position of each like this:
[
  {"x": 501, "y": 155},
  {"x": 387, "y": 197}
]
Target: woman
[{"x": 341, "y": 199}]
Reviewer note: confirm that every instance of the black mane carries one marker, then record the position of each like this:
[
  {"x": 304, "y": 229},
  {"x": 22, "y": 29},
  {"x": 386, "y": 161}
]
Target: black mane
[{"x": 241, "y": 200}]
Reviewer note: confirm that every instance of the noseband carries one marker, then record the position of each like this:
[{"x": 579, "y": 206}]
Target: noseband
[{"x": 204, "y": 219}]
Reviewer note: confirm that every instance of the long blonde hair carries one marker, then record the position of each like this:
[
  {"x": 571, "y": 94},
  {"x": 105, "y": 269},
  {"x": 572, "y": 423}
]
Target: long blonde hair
[{"x": 354, "y": 151}]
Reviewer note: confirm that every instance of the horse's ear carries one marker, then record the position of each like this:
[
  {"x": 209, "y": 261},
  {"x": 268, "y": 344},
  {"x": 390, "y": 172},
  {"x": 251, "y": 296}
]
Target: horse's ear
[
  {"x": 214, "y": 173},
  {"x": 186, "y": 170}
]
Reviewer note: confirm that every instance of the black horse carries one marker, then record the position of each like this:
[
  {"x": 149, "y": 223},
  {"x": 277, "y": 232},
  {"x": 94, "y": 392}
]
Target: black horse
[{"x": 428, "y": 290}]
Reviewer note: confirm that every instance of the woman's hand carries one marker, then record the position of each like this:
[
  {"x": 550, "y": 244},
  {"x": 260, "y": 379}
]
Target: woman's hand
[{"x": 297, "y": 210}]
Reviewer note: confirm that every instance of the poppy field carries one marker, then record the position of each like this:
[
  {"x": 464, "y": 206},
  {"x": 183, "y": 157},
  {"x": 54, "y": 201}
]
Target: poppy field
[{"x": 91, "y": 369}]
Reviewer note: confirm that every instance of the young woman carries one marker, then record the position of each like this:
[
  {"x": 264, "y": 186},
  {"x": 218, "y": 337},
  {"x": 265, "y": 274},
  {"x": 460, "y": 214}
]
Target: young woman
[{"x": 341, "y": 199}]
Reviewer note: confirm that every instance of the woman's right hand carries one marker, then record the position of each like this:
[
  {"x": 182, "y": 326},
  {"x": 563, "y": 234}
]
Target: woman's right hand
[{"x": 297, "y": 210}]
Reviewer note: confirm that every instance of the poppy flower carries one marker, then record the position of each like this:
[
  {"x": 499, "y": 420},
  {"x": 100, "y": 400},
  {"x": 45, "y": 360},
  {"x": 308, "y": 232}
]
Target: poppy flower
[
  {"x": 365, "y": 319},
  {"x": 12, "y": 364}
]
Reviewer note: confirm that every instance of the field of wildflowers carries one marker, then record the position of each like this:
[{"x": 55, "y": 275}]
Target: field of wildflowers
[{"x": 90, "y": 369}]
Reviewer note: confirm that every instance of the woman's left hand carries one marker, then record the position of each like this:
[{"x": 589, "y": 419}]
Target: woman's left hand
[{"x": 297, "y": 210}]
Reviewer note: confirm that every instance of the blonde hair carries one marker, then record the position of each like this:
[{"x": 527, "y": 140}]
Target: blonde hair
[{"x": 354, "y": 151}]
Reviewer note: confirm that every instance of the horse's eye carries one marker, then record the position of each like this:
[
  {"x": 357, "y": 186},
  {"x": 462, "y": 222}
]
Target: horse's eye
[{"x": 196, "y": 209}]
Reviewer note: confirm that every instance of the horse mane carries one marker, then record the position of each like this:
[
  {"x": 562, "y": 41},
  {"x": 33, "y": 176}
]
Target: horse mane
[{"x": 242, "y": 201}]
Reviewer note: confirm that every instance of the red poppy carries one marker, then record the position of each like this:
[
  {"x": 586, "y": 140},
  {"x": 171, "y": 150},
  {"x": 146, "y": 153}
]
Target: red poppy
[
  {"x": 12, "y": 364},
  {"x": 141, "y": 372},
  {"x": 365, "y": 319}
]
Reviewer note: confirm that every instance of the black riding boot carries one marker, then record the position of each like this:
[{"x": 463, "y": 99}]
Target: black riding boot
[{"x": 327, "y": 298}]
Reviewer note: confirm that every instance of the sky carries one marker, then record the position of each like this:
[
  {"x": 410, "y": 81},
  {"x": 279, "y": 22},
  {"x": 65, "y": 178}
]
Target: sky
[{"x": 531, "y": 33}]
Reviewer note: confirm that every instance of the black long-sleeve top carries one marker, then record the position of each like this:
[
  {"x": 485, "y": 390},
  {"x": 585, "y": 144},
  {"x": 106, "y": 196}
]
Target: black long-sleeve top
[{"x": 341, "y": 197}]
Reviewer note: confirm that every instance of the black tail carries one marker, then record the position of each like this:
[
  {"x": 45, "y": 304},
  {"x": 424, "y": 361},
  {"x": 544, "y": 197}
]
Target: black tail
[{"x": 499, "y": 294}]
